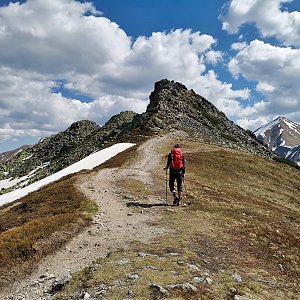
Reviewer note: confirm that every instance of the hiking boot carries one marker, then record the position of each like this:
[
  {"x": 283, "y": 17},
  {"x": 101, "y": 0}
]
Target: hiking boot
[
  {"x": 175, "y": 197},
  {"x": 177, "y": 200}
]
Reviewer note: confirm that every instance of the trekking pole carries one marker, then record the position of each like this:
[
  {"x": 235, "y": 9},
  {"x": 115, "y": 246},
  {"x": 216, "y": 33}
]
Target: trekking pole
[{"x": 166, "y": 186}]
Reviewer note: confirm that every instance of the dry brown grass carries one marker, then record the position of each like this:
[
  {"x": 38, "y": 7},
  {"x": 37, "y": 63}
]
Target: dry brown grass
[
  {"x": 244, "y": 219},
  {"x": 30, "y": 227},
  {"x": 41, "y": 222},
  {"x": 248, "y": 212}
]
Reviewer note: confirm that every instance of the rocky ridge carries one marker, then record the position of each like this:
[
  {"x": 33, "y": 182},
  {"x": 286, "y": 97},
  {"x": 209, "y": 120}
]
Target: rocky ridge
[
  {"x": 172, "y": 107},
  {"x": 58, "y": 151}
]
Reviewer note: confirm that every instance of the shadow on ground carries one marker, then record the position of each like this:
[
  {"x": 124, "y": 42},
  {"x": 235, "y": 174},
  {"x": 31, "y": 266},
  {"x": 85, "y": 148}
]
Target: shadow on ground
[{"x": 146, "y": 205}]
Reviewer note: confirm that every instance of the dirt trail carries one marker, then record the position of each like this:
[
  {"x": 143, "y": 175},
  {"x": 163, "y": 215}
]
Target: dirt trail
[{"x": 115, "y": 225}]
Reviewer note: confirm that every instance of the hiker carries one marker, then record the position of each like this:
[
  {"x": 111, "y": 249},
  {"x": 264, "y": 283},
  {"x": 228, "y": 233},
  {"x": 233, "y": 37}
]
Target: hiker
[{"x": 176, "y": 163}]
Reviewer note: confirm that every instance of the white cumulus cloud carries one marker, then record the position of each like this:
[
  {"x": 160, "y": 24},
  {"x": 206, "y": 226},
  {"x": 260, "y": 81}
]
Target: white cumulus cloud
[
  {"x": 276, "y": 71},
  {"x": 268, "y": 17},
  {"x": 274, "y": 68},
  {"x": 238, "y": 46}
]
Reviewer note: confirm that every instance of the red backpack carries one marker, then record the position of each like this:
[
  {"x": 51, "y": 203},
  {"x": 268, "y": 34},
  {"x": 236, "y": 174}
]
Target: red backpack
[{"x": 176, "y": 154}]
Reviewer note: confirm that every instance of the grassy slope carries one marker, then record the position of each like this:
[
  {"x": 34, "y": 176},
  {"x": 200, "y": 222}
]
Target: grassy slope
[
  {"x": 40, "y": 224},
  {"x": 244, "y": 219},
  {"x": 43, "y": 221}
]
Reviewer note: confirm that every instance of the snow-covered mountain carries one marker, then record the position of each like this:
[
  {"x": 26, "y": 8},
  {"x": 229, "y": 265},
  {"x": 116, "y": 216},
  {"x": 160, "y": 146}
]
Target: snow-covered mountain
[{"x": 281, "y": 136}]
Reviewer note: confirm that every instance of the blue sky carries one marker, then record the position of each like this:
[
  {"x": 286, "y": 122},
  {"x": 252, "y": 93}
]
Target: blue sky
[{"x": 66, "y": 60}]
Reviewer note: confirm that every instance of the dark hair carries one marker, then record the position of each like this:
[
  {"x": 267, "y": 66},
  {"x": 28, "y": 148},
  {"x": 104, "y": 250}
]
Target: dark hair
[{"x": 176, "y": 146}]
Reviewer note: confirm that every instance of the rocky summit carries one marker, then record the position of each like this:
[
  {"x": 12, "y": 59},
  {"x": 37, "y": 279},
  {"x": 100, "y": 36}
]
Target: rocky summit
[{"x": 172, "y": 107}]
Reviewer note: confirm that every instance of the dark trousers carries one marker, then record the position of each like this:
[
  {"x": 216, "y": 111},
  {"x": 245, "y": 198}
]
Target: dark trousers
[{"x": 175, "y": 175}]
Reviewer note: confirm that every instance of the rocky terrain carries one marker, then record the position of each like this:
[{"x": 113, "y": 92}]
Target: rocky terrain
[
  {"x": 173, "y": 106},
  {"x": 4, "y": 156}
]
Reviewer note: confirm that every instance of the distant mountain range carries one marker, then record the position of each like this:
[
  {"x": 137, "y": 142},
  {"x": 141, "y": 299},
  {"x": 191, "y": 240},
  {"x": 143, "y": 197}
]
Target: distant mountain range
[
  {"x": 281, "y": 136},
  {"x": 172, "y": 107},
  {"x": 4, "y": 156}
]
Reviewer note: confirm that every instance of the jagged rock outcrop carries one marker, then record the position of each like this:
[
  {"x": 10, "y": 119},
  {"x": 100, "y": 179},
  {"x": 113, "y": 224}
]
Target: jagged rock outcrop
[{"x": 173, "y": 106}]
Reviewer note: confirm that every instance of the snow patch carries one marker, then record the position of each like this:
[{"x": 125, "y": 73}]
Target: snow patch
[
  {"x": 282, "y": 142},
  {"x": 88, "y": 162},
  {"x": 26, "y": 158},
  {"x": 292, "y": 125},
  {"x": 6, "y": 183},
  {"x": 261, "y": 130}
]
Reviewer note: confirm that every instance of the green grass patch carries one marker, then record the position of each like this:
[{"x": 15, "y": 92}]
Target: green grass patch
[
  {"x": 210, "y": 117},
  {"x": 115, "y": 275},
  {"x": 228, "y": 137}
]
